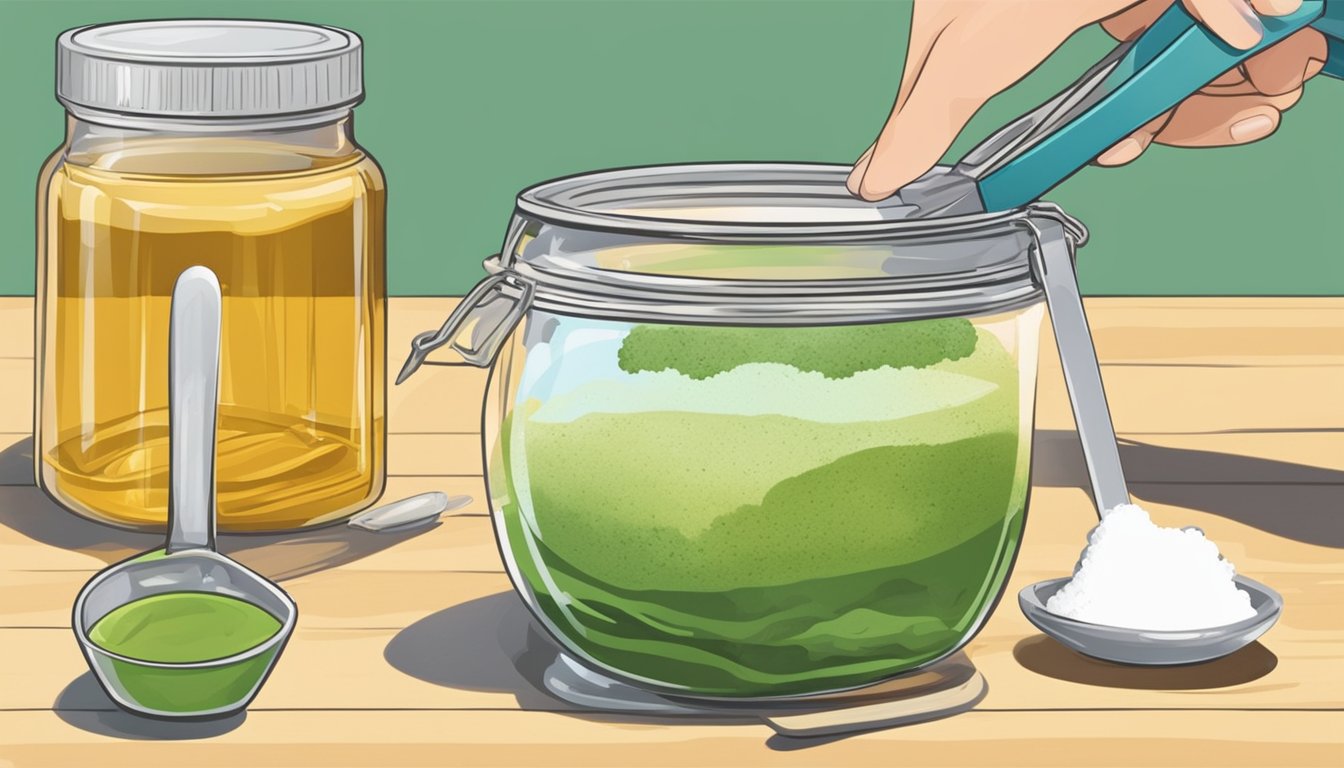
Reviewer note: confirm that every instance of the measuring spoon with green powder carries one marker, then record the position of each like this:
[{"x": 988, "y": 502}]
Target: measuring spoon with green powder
[{"x": 185, "y": 631}]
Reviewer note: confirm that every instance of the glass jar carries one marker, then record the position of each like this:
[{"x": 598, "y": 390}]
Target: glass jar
[
  {"x": 746, "y": 436},
  {"x": 227, "y": 144}
]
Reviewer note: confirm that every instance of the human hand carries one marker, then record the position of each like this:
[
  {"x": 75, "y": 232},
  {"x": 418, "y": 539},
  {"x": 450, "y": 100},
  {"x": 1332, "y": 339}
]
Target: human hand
[{"x": 963, "y": 52}]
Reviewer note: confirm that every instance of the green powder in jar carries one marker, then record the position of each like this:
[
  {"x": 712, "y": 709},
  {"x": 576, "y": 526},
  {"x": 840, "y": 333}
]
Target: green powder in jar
[{"x": 772, "y": 511}]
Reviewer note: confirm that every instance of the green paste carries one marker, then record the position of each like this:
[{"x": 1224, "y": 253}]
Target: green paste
[
  {"x": 836, "y": 352},
  {"x": 725, "y": 550},
  {"x": 180, "y": 627}
]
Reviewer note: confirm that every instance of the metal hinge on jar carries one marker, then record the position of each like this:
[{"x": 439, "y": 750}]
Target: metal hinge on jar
[{"x": 478, "y": 326}]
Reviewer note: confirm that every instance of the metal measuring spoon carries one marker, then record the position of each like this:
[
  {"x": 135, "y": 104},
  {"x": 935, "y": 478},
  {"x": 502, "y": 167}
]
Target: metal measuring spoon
[
  {"x": 1151, "y": 647},
  {"x": 189, "y": 562},
  {"x": 1054, "y": 264}
]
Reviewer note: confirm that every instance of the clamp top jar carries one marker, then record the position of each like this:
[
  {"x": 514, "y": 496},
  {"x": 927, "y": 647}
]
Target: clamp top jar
[{"x": 748, "y": 437}]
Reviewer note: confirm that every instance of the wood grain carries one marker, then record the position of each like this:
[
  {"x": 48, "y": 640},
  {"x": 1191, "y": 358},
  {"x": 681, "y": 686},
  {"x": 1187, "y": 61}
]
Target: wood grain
[{"x": 1254, "y": 739}]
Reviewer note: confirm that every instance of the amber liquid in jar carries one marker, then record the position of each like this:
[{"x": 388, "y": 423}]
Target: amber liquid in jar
[{"x": 297, "y": 243}]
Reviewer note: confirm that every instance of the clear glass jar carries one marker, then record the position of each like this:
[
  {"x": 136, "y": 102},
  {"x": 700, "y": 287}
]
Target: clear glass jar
[
  {"x": 271, "y": 192},
  {"x": 744, "y": 436}
]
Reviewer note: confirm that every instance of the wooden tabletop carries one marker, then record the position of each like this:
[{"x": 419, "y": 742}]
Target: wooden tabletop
[{"x": 1231, "y": 416}]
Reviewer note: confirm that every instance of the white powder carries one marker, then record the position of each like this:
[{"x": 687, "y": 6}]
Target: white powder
[{"x": 1139, "y": 575}]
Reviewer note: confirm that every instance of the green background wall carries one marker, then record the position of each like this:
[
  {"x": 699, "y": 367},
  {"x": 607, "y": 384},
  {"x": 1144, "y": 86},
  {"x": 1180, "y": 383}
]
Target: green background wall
[{"x": 471, "y": 100}]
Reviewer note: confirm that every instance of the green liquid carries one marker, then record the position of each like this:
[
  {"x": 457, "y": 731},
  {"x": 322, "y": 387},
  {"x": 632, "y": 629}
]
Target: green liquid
[
  {"x": 178, "y": 627},
  {"x": 763, "y": 555}
]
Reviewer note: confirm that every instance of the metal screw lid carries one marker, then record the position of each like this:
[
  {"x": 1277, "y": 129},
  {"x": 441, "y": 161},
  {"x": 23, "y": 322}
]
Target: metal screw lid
[{"x": 208, "y": 68}]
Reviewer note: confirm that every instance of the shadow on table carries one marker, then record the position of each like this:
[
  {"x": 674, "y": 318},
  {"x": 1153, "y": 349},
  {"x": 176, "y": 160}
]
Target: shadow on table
[
  {"x": 493, "y": 644},
  {"x": 1295, "y": 501},
  {"x": 278, "y": 556},
  {"x": 281, "y": 556},
  {"x": 84, "y": 705},
  {"x": 490, "y": 644},
  {"x": 26, "y": 509},
  {"x": 1046, "y": 657},
  {"x": 16, "y": 463}
]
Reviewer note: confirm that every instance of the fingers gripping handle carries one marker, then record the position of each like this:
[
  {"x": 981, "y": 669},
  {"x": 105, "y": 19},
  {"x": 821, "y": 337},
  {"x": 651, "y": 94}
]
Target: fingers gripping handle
[{"x": 1172, "y": 59}]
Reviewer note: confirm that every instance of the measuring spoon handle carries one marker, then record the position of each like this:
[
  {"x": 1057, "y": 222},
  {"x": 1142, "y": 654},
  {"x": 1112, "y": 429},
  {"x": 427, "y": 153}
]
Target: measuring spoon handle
[
  {"x": 193, "y": 391},
  {"x": 1053, "y": 261}
]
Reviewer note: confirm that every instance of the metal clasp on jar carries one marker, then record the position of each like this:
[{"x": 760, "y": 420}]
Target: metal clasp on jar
[{"x": 479, "y": 325}]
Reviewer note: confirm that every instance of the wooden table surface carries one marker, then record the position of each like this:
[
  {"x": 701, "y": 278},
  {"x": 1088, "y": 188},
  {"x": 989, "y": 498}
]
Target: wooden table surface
[{"x": 1231, "y": 417}]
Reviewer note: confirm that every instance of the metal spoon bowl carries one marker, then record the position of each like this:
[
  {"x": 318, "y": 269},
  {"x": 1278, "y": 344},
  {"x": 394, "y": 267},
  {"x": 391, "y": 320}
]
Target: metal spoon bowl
[
  {"x": 1148, "y": 647},
  {"x": 210, "y": 688}
]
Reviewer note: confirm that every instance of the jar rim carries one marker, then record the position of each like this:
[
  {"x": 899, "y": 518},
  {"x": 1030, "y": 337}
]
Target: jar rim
[
  {"x": 523, "y": 277},
  {"x": 772, "y": 201},
  {"x": 699, "y": 204}
]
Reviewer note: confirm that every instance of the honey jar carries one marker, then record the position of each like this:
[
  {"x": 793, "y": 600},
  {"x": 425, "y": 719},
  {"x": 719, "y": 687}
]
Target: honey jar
[{"x": 229, "y": 144}]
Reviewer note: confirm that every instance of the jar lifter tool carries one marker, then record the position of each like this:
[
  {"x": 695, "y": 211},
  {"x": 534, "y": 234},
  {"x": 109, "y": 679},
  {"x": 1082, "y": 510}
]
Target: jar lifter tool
[{"x": 1137, "y": 81}]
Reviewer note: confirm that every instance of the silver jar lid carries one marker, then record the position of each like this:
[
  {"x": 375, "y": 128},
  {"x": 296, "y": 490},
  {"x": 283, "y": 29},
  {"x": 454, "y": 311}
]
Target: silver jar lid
[
  {"x": 208, "y": 68},
  {"x": 761, "y": 244},
  {"x": 758, "y": 244},
  {"x": 734, "y": 202}
]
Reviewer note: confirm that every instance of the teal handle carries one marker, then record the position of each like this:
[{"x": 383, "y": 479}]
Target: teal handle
[
  {"x": 1331, "y": 24},
  {"x": 1172, "y": 59}
]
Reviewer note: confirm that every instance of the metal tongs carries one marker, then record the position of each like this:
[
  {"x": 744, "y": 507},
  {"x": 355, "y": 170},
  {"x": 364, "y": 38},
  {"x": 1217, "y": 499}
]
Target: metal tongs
[
  {"x": 1139, "y": 80},
  {"x": 1135, "y": 83}
]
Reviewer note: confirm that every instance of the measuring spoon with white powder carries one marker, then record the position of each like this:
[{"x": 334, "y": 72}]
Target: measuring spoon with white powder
[{"x": 1140, "y": 593}]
